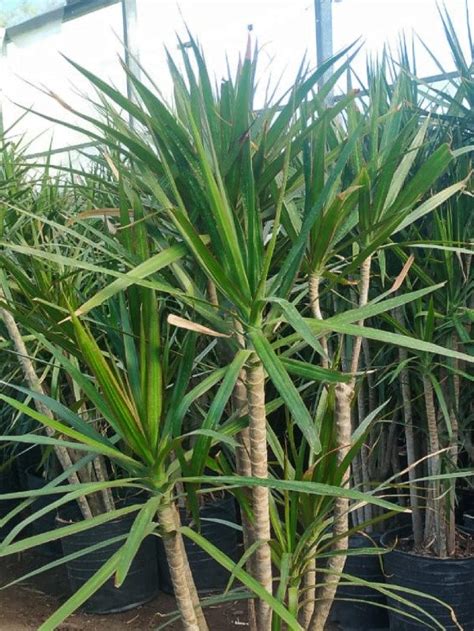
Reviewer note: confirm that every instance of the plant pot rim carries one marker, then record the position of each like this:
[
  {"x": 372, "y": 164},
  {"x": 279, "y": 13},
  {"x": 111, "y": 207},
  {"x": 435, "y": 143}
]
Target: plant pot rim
[
  {"x": 385, "y": 539},
  {"x": 63, "y": 521}
]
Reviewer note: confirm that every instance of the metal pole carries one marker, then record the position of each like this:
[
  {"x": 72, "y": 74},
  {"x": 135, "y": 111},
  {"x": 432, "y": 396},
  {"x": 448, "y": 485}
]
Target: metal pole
[
  {"x": 324, "y": 49},
  {"x": 3, "y": 59},
  {"x": 130, "y": 40}
]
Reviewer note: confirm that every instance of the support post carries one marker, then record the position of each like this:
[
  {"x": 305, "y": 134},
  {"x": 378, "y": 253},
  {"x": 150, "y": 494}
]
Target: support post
[
  {"x": 130, "y": 40},
  {"x": 3, "y": 63},
  {"x": 324, "y": 48}
]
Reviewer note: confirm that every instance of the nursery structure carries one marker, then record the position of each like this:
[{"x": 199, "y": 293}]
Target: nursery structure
[{"x": 236, "y": 313}]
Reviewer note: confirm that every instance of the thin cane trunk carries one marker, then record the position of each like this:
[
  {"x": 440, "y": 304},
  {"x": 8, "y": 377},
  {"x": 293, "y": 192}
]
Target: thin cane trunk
[
  {"x": 364, "y": 453},
  {"x": 313, "y": 286},
  {"x": 192, "y": 585},
  {"x": 453, "y": 452},
  {"x": 100, "y": 470},
  {"x": 309, "y": 593},
  {"x": 191, "y": 612},
  {"x": 34, "y": 383},
  {"x": 260, "y": 495},
  {"x": 244, "y": 468},
  {"x": 309, "y": 577},
  {"x": 416, "y": 516},
  {"x": 336, "y": 562},
  {"x": 372, "y": 392},
  {"x": 212, "y": 293},
  {"x": 364, "y": 286},
  {"x": 357, "y": 515},
  {"x": 435, "y": 468},
  {"x": 359, "y": 465}
]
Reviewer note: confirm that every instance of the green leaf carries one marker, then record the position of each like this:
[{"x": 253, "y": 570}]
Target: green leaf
[
  {"x": 84, "y": 442},
  {"x": 376, "y": 308},
  {"x": 311, "y": 371},
  {"x": 429, "y": 205},
  {"x": 298, "y": 486},
  {"x": 299, "y": 324},
  {"x": 141, "y": 528},
  {"x": 217, "y": 407},
  {"x": 65, "y": 531},
  {"x": 242, "y": 576},
  {"x": 82, "y": 594},
  {"x": 388, "y": 338},
  {"x": 147, "y": 268}
]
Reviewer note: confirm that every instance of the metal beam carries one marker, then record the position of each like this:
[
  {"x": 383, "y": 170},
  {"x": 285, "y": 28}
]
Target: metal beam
[
  {"x": 323, "y": 15},
  {"x": 131, "y": 41},
  {"x": 3, "y": 57}
]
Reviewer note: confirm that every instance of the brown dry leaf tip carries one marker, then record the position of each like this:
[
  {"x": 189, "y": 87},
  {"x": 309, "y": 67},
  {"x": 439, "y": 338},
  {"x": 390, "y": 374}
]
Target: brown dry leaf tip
[
  {"x": 248, "y": 52},
  {"x": 344, "y": 194},
  {"x": 182, "y": 323},
  {"x": 60, "y": 101},
  {"x": 112, "y": 166},
  {"x": 403, "y": 274},
  {"x": 94, "y": 214}
]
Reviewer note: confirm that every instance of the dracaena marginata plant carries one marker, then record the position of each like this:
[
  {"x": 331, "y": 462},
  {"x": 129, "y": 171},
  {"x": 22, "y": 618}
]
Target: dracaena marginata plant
[
  {"x": 141, "y": 426},
  {"x": 123, "y": 368},
  {"x": 431, "y": 387},
  {"x": 37, "y": 192},
  {"x": 211, "y": 220},
  {"x": 214, "y": 167},
  {"x": 386, "y": 185}
]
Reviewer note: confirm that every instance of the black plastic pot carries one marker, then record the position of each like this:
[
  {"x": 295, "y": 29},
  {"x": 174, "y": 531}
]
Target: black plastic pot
[
  {"x": 209, "y": 576},
  {"x": 28, "y": 460},
  {"x": 468, "y": 522},
  {"x": 46, "y": 522},
  {"x": 8, "y": 484},
  {"x": 449, "y": 580},
  {"x": 465, "y": 502},
  {"x": 371, "y": 614},
  {"x": 141, "y": 584}
]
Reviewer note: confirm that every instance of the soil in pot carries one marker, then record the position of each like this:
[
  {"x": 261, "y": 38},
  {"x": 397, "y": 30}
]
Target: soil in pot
[
  {"x": 209, "y": 575},
  {"x": 449, "y": 580},
  {"x": 358, "y": 607},
  {"x": 141, "y": 584}
]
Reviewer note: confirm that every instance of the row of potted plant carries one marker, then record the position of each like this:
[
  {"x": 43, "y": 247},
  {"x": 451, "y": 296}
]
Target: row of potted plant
[{"x": 273, "y": 303}]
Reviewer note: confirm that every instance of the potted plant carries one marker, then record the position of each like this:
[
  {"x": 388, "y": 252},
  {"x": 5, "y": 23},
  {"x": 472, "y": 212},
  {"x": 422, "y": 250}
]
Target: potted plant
[{"x": 434, "y": 556}]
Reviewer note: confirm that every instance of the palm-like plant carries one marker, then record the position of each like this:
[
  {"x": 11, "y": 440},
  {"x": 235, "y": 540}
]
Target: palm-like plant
[{"x": 233, "y": 217}]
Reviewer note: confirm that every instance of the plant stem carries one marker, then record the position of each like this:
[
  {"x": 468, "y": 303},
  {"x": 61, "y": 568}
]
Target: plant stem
[
  {"x": 309, "y": 593},
  {"x": 360, "y": 466},
  {"x": 364, "y": 286},
  {"x": 244, "y": 468},
  {"x": 435, "y": 468},
  {"x": 34, "y": 384},
  {"x": 212, "y": 293},
  {"x": 191, "y": 615},
  {"x": 100, "y": 470},
  {"x": 416, "y": 516},
  {"x": 309, "y": 577},
  {"x": 453, "y": 450},
  {"x": 344, "y": 393},
  {"x": 260, "y": 494},
  {"x": 314, "y": 301}
]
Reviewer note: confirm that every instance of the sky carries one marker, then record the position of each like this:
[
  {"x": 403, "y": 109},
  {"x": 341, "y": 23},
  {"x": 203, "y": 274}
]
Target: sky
[{"x": 284, "y": 29}]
